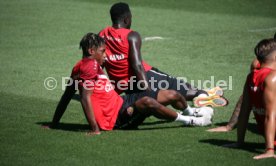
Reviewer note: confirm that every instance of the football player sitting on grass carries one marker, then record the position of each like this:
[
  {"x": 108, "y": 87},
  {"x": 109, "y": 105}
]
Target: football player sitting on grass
[
  {"x": 106, "y": 110},
  {"x": 124, "y": 63},
  {"x": 259, "y": 97}
]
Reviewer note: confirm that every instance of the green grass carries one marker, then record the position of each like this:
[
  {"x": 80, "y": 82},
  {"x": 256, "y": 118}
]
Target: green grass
[{"x": 208, "y": 38}]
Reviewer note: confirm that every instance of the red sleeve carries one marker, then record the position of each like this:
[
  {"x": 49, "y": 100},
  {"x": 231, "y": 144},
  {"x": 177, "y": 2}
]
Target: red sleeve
[
  {"x": 75, "y": 70},
  {"x": 85, "y": 70},
  {"x": 88, "y": 70}
]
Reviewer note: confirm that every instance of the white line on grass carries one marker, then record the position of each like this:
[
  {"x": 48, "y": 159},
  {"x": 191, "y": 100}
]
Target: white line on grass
[
  {"x": 262, "y": 30},
  {"x": 153, "y": 38}
]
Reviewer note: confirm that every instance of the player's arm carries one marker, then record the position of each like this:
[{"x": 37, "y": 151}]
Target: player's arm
[
  {"x": 235, "y": 115},
  {"x": 135, "y": 59},
  {"x": 244, "y": 116},
  {"x": 242, "y": 119},
  {"x": 88, "y": 110},
  {"x": 270, "y": 115},
  {"x": 62, "y": 105},
  {"x": 232, "y": 121}
]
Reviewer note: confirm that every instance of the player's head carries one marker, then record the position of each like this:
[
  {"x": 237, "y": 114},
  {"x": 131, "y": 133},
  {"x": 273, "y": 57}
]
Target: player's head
[
  {"x": 265, "y": 50},
  {"x": 93, "y": 45},
  {"x": 120, "y": 13}
]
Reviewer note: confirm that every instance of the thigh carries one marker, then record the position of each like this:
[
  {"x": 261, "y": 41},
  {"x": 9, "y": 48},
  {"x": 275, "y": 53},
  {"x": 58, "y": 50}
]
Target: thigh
[
  {"x": 173, "y": 83},
  {"x": 164, "y": 97},
  {"x": 129, "y": 117}
]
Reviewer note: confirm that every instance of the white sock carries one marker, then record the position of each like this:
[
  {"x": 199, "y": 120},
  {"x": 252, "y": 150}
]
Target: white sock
[
  {"x": 189, "y": 111},
  {"x": 202, "y": 95},
  {"x": 185, "y": 119}
]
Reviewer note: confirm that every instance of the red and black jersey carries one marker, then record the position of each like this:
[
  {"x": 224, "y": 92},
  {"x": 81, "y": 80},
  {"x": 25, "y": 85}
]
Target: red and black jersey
[{"x": 117, "y": 52}]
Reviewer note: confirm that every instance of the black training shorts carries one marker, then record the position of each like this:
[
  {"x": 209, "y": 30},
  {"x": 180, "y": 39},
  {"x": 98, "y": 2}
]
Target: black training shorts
[{"x": 131, "y": 120}]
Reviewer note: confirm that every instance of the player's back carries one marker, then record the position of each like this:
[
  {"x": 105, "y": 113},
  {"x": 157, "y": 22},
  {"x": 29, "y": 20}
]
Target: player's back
[
  {"x": 117, "y": 53},
  {"x": 117, "y": 50}
]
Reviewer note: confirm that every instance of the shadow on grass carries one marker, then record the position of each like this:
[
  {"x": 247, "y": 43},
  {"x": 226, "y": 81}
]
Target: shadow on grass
[
  {"x": 156, "y": 125},
  {"x": 76, "y": 97},
  {"x": 85, "y": 127},
  {"x": 67, "y": 126},
  {"x": 249, "y": 146}
]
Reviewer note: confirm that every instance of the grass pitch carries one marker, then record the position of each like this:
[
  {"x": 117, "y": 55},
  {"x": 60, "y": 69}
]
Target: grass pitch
[{"x": 39, "y": 39}]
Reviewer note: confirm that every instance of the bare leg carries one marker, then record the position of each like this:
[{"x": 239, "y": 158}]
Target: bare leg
[
  {"x": 171, "y": 97},
  {"x": 149, "y": 106}
]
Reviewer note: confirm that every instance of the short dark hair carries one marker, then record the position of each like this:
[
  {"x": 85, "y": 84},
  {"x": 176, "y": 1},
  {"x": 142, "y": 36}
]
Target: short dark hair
[
  {"x": 264, "y": 48},
  {"x": 118, "y": 11},
  {"x": 90, "y": 40}
]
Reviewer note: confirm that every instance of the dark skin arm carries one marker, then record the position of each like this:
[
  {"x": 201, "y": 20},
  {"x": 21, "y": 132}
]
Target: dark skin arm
[
  {"x": 135, "y": 59},
  {"x": 88, "y": 110},
  {"x": 62, "y": 105}
]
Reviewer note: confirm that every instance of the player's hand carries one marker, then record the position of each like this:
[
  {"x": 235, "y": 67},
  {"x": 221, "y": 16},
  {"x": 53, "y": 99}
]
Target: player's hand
[
  {"x": 92, "y": 133},
  {"x": 220, "y": 129},
  {"x": 267, "y": 154},
  {"x": 49, "y": 126},
  {"x": 46, "y": 126}
]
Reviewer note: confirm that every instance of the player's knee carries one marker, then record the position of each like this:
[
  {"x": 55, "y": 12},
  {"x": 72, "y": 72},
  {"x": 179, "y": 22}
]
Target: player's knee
[
  {"x": 173, "y": 95},
  {"x": 149, "y": 102}
]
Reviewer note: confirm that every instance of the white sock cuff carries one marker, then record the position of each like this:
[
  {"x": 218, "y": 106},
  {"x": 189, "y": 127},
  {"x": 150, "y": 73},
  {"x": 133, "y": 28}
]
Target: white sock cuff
[{"x": 189, "y": 110}]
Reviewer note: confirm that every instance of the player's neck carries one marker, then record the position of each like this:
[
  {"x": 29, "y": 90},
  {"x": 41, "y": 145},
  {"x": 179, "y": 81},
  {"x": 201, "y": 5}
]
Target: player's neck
[
  {"x": 89, "y": 57},
  {"x": 119, "y": 25},
  {"x": 269, "y": 65}
]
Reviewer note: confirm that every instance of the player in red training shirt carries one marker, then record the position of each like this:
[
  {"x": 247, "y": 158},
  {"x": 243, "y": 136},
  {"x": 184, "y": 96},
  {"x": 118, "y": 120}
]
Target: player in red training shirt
[
  {"x": 106, "y": 110},
  {"x": 234, "y": 118},
  {"x": 125, "y": 66},
  {"x": 259, "y": 96}
]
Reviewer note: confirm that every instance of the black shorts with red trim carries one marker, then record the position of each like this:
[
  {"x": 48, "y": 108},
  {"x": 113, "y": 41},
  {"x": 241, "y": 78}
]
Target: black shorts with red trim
[{"x": 131, "y": 118}]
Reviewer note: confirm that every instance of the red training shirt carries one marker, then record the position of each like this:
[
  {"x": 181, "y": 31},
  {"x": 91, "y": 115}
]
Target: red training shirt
[
  {"x": 117, "y": 52},
  {"x": 106, "y": 102}
]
